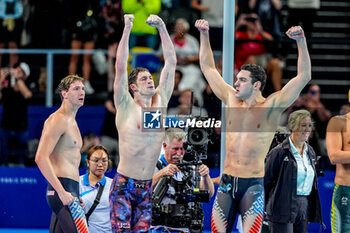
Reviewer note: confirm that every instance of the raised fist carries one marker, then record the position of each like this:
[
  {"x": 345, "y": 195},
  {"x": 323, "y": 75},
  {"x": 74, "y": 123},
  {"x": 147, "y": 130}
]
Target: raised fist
[
  {"x": 128, "y": 18},
  {"x": 202, "y": 25},
  {"x": 154, "y": 21},
  {"x": 295, "y": 33}
]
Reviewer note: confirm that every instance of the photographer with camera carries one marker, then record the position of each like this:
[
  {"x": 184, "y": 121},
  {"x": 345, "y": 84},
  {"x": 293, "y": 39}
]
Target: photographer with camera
[
  {"x": 14, "y": 94},
  {"x": 171, "y": 170}
]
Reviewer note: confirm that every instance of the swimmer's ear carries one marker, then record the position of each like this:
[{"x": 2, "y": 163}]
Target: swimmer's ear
[
  {"x": 64, "y": 93},
  {"x": 133, "y": 87},
  {"x": 257, "y": 85}
]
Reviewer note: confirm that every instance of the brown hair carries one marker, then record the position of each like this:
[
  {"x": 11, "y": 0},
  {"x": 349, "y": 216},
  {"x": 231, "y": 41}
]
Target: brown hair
[
  {"x": 66, "y": 82},
  {"x": 257, "y": 73}
]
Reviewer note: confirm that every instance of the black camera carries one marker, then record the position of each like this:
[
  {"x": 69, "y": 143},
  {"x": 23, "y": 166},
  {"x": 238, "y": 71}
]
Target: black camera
[
  {"x": 251, "y": 19},
  {"x": 198, "y": 139},
  {"x": 187, "y": 212}
]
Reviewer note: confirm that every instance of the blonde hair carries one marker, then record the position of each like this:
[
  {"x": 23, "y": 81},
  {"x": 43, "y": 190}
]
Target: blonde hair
[
  {"x": 172, "y": 133},
  {"x": 295, "y": 118}
]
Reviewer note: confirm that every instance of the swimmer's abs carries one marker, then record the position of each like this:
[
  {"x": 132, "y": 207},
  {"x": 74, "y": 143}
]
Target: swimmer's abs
[{"x": 238, "y": 169}]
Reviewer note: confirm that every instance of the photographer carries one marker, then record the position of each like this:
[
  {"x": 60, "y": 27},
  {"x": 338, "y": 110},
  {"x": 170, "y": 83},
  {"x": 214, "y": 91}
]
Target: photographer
[
  {"x": 14, "y": 124},
  {"x": 167, "y": 166}
]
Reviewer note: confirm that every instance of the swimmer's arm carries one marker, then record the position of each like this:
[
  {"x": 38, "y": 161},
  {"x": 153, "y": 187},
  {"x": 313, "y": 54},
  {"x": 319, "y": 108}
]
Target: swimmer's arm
[
  {"x": 166, "y": 81},
  {"x": 206, "y": 60},
  {"x": 53, "y": 129},
  {"x": 292, "y": 89},
  {"x": 121, "y": 89},
  {"x": 334, "y": 141}
]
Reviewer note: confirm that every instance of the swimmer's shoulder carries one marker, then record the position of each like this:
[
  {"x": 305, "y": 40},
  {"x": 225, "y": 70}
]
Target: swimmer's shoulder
[{"x": 337, "y": 123}]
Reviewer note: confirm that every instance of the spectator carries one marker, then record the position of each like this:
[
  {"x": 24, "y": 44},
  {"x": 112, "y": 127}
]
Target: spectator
[
  {"x": 14, "y": 123},
  {"x": 11, "y": 26},
  {"x": 253, "y": 52},
  {"x": 292, "y": 198},
  {"x": 90, "y": 139},
  {"x": 174, "y": 100},
  {"x": 269, "y": 13},
  {"x": 142, "y": 34},
  {"x": 212, "y": 11},
  {"x": 319, "y": 113},
  {"x": 84, "y": 36},
  {"x": 109, "y": 133},
  {"x": 90, "y": 184},
  {"x": 113, "y": 22},
  {"x": 303, "y": 12},
  {"x": 187, "y": 50}
]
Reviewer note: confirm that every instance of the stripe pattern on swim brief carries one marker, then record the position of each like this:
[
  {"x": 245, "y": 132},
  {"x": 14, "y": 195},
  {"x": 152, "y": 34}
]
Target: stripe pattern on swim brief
[
  {"x": 253, "y": 218},
  {"x": 218, "y": 219},
  {"x": 78, "y": 216},
  {"x": 335, "y": 214}
]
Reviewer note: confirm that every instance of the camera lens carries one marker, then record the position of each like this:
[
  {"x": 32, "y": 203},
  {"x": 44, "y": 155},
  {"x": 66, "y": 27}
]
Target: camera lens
[{"x": 197, "y": 136}]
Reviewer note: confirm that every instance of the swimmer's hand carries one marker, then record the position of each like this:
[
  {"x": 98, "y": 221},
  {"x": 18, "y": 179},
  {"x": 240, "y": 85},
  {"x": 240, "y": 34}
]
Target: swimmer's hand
[
  {"x": 82, "y": 203},
  {"x": 155, "y": 21},
  {"x": 128, "y": 18},
  {"x": 65, "y": 197},
  {"x": 202, "y": 25},
  {"x": 295, "y": 33}
]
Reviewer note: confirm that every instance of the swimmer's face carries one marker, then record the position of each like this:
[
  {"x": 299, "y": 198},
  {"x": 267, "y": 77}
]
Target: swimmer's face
[
  {"x": 243, "y": 85},
  {"x": 174, "y": 152},
  {"x": 98, "y": 163},
  {"x": 75, "y": 93},
  {"x": 144, "y": 84},
  {"x": 302, "y": 133}
]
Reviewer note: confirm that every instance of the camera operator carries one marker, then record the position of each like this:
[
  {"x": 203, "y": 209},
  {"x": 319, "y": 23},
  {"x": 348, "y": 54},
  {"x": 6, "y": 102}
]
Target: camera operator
[
  {"x": 167, "y": 166},
  {"x": 14, "y": 124}
]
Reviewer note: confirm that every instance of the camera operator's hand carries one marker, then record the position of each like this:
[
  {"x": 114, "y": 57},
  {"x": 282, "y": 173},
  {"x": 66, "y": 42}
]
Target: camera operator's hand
[
  {"x": 170, "y": 170},
  {"x": 203, "y": 170}
]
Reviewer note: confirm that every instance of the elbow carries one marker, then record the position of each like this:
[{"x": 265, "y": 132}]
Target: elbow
[
  {"x": 37, "y": 159},
  {"x": 333, "y": 158}
]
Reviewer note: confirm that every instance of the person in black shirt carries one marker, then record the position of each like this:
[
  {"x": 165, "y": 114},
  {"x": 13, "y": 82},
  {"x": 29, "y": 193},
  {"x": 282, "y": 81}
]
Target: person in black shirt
[{"x": 14, "y": 124}]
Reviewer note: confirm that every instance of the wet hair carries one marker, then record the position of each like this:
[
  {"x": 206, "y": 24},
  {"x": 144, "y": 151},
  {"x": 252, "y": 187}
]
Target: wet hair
[
  {"x": 96, "y": 148},
  {"x": 295, "y": 118},
  {"x": 133, "y": 77},
  {"x": 66, "y": 82},
  {"x": 172, "y": 133},
  {"x": 257, "y": 73}
]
